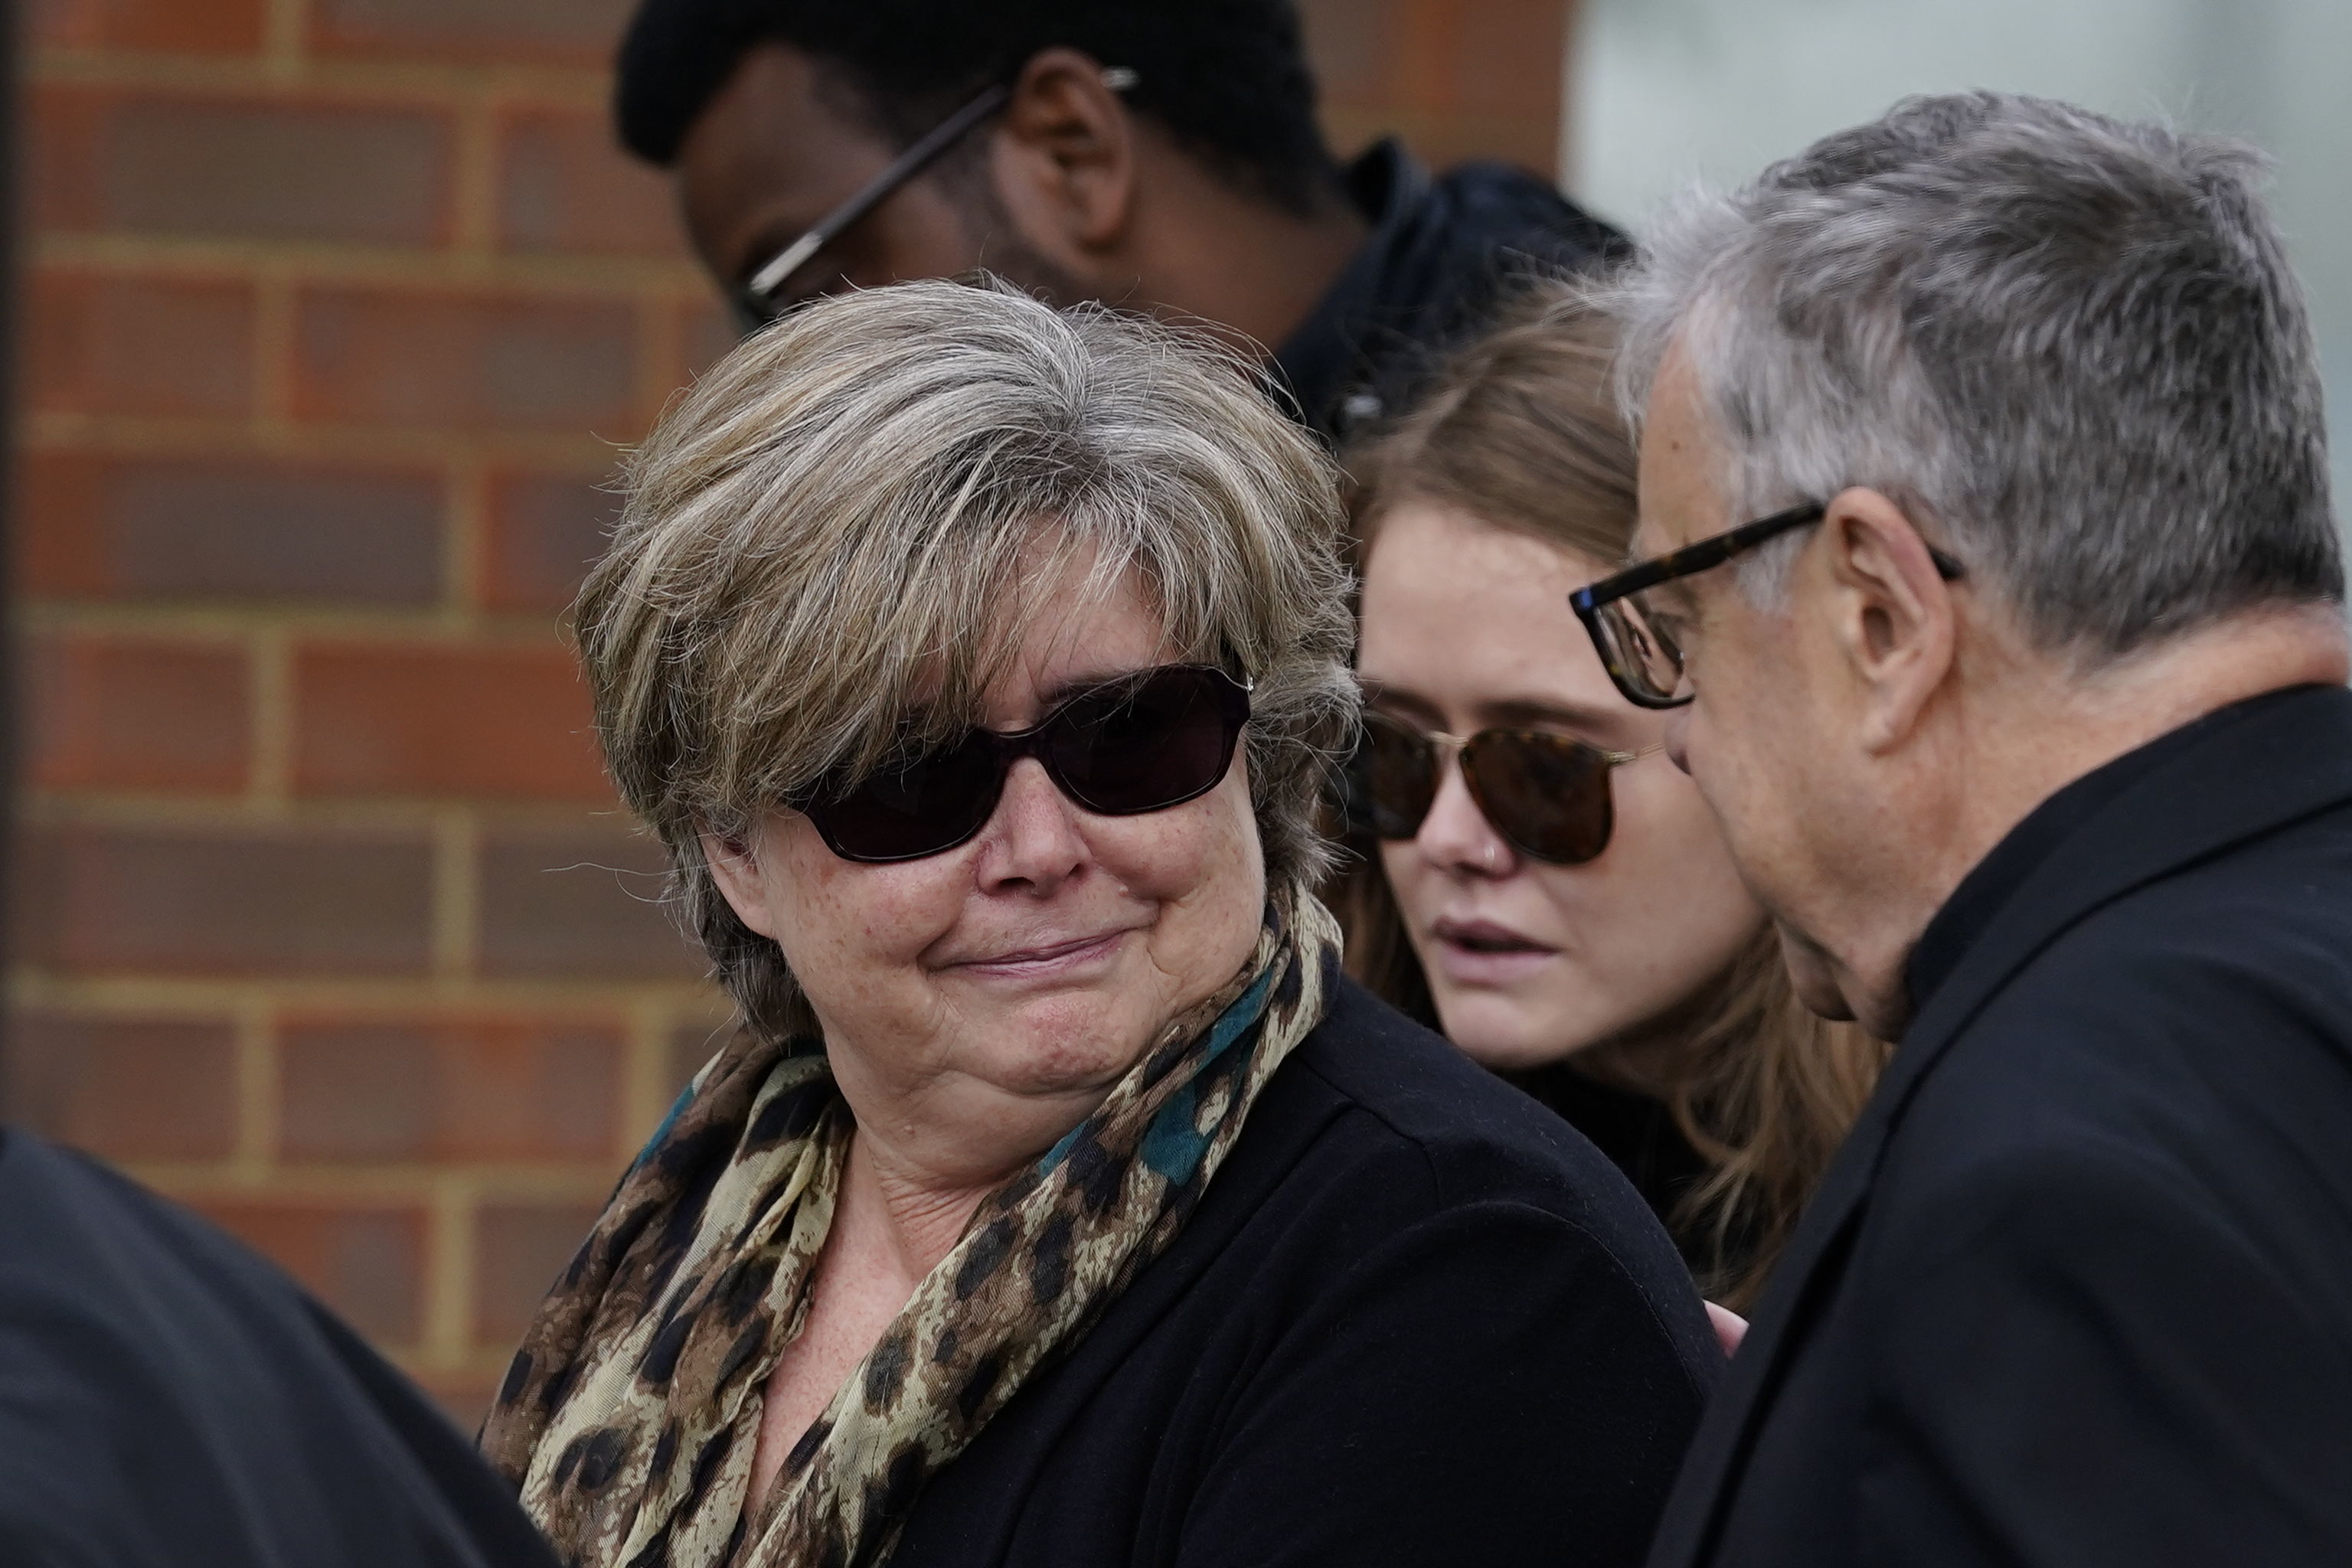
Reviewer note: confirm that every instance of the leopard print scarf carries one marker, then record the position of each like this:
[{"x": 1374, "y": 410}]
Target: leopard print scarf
[{"x": 630, "y": 1415}]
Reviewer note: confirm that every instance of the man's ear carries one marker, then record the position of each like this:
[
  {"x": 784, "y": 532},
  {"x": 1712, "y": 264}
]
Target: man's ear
[
  {"x": 1065, "y": 157},
  {"x": 735, "y": 866},
  {"x": 1894, "y": 622}
]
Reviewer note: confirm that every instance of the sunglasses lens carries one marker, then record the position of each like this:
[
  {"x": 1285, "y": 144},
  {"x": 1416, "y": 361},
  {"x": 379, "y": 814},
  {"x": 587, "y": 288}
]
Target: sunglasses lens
[
  {"x": 1547, "y": 795},
  {"x": 1400, "y": 773},
  {"x": 1145, "y": 745},
  {"x": 928, "y": 805},
  {"x": 1645, "y": 660}
]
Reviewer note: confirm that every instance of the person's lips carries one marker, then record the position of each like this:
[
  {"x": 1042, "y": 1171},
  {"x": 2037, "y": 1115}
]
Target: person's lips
[
  {"x": 1046, "y": 957},
  {"x": 1486, "y": 952}
]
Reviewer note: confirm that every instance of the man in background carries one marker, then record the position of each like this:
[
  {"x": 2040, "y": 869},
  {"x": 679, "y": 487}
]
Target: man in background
[
  {"x": 1996, "y": 587},
  {"x": 1152, "y": 155}
]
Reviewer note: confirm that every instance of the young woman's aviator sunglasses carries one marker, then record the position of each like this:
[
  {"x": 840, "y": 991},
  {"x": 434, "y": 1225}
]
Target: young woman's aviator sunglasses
[
  {"x": 1141, "y": 744},
  {"x": 1547, "y": 794},
  {"x": 762, "y": 298},
  {"x": 1636, "y": 641}
]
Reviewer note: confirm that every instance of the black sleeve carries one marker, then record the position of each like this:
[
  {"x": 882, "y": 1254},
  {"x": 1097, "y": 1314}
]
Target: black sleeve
[
  {"x": 2083, "y": 1362},
  {"x": 169, "y": 1400},
  {"x": 1486, "y": 1387}
]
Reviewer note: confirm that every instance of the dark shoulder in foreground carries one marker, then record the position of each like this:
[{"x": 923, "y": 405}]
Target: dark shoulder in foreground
[{"x": 168, "y": 1399}]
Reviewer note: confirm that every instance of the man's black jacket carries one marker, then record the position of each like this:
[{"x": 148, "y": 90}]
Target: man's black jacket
[
  {"x": 168, "y": 1400},
  {"x": 1442, "y": 250},
  {"x": 2078, "y": 1291}
]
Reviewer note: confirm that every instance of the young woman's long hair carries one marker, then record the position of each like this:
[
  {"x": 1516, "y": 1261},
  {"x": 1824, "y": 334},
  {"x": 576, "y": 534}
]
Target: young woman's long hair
[{"x": 1520, "y": 430}]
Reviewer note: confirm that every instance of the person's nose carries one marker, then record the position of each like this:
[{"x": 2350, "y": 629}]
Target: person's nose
[
  {"x": 1456, "y": 837},
  {"x": 1032, "y": 841},
  {"x": 1677, "y": 733}
]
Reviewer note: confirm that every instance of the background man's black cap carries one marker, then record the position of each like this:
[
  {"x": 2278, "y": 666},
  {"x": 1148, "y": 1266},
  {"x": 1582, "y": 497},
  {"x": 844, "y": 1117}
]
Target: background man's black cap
[{"x": 674, "y": 60}]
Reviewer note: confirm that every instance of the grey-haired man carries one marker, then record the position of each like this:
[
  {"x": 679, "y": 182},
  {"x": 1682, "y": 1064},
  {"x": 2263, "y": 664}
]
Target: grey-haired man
[{"x": 1989, "y": 565}]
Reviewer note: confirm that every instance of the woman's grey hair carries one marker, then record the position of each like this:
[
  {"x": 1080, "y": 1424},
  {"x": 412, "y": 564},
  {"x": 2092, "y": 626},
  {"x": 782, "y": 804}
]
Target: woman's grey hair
[
  {"x": 831, "y": 547},
  {"x": 2071, "y": 345}
]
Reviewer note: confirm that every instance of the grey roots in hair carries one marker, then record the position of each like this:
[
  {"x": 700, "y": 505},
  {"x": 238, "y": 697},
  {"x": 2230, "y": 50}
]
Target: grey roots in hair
[
  {"x": 831, "y": 546},
  {"x": 2071, "y": 345}
]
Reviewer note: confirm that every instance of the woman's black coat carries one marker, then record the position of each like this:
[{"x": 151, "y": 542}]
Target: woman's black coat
[{"x": 1416, "y": 1320}]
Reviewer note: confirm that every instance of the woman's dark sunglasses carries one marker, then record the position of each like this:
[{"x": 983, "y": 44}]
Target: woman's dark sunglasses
[
  {"x": 1637, "y": 644},
  {"x": 1547, "y": 796},
  {"x": 762, "y": 298},
  {"x": 1141, "y": 744}
]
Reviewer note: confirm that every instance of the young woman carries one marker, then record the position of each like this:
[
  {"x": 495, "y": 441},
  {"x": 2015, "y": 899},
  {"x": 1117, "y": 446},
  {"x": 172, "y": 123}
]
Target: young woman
[{"x": 1547, "y": 885}]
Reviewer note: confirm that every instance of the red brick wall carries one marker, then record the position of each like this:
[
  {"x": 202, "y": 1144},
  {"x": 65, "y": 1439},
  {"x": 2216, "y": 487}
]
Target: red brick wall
[
  {"x": 1457, "y": 78},
  {"x": 334, "y": 313}
]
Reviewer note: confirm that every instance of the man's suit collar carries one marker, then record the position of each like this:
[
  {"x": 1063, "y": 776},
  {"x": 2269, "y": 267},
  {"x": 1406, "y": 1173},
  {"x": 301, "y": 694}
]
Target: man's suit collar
[{"x": 2233, "y": 776}]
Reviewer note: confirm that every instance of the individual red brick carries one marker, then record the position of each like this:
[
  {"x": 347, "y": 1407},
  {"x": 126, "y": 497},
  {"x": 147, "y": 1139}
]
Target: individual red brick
[
  {"x": 1507, "y": 59},
  {"x": 518, "y": 1250},
  {"x": 582, "y": 31},
  {"x": 369, "y": 357},
  {"x": 139, "y": 345},
  {"x": 62, "y": 129},
  {"x": 125, "y": 713},
  {"x": 506, "y": 722},
  {"x": 126, "y": 1088},
  {"x": 469, "y": 1090},
  {"x": 262, "y": 169},
  {"x": 566, "y": 187},
  {"x": 171, "y": 27},
  {"x": 545, "y": 533},
  {"x": 227, "y": 530},
  {"x": 260, "y": 902},
  {"x": 579, "y": 906},
  {"x": 363, "y": 1260}
]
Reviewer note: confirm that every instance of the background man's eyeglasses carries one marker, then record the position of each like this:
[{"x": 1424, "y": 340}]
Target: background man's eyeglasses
[
  {"x": 762, "y": 298},
  {"x": 1639, "y": 653}
]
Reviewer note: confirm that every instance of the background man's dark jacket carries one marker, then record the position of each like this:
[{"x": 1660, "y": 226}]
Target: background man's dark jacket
[
  {"x": 1444, "y": 250},
  {"x": 2078, "y": 1292},
  {"x": 168, "y": 1400}
]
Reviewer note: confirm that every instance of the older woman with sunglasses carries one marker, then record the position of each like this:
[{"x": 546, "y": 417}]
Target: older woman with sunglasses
[
  {"x": 1549, "y": 886},
  {"x": 1059, "y": 1200}
]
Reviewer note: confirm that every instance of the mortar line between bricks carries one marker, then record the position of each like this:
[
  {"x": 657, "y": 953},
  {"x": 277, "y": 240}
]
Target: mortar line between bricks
[
  {"x": 661, "y": 356},
  {"x": 273, "y": 717},
  {"x": 438, "y": 626},
  {"x": 464, "y": 538},
  {"x": 576, "y": 453},
  {"x": 328, "y": 262},
  {"x": 273, "y": 352},
  {"x": 409, "y": 819},
  {"x": 409, "y": 1182},
  {"x": 457, "y": 892},
  {"x": 545, "y": 1001},
  {"x": 449, "y": 1273},
  {"x": 257, "y": 1089},
  {"x": 645, "y": 1087},
  {"x": 281, "y": 37},
  {"x": 552, "y": 86},
  {"x": 474, "y": 180}
]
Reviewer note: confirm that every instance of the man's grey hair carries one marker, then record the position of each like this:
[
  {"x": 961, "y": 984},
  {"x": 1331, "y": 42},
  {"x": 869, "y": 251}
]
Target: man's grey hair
[{"x": 2070, "y": 346}]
